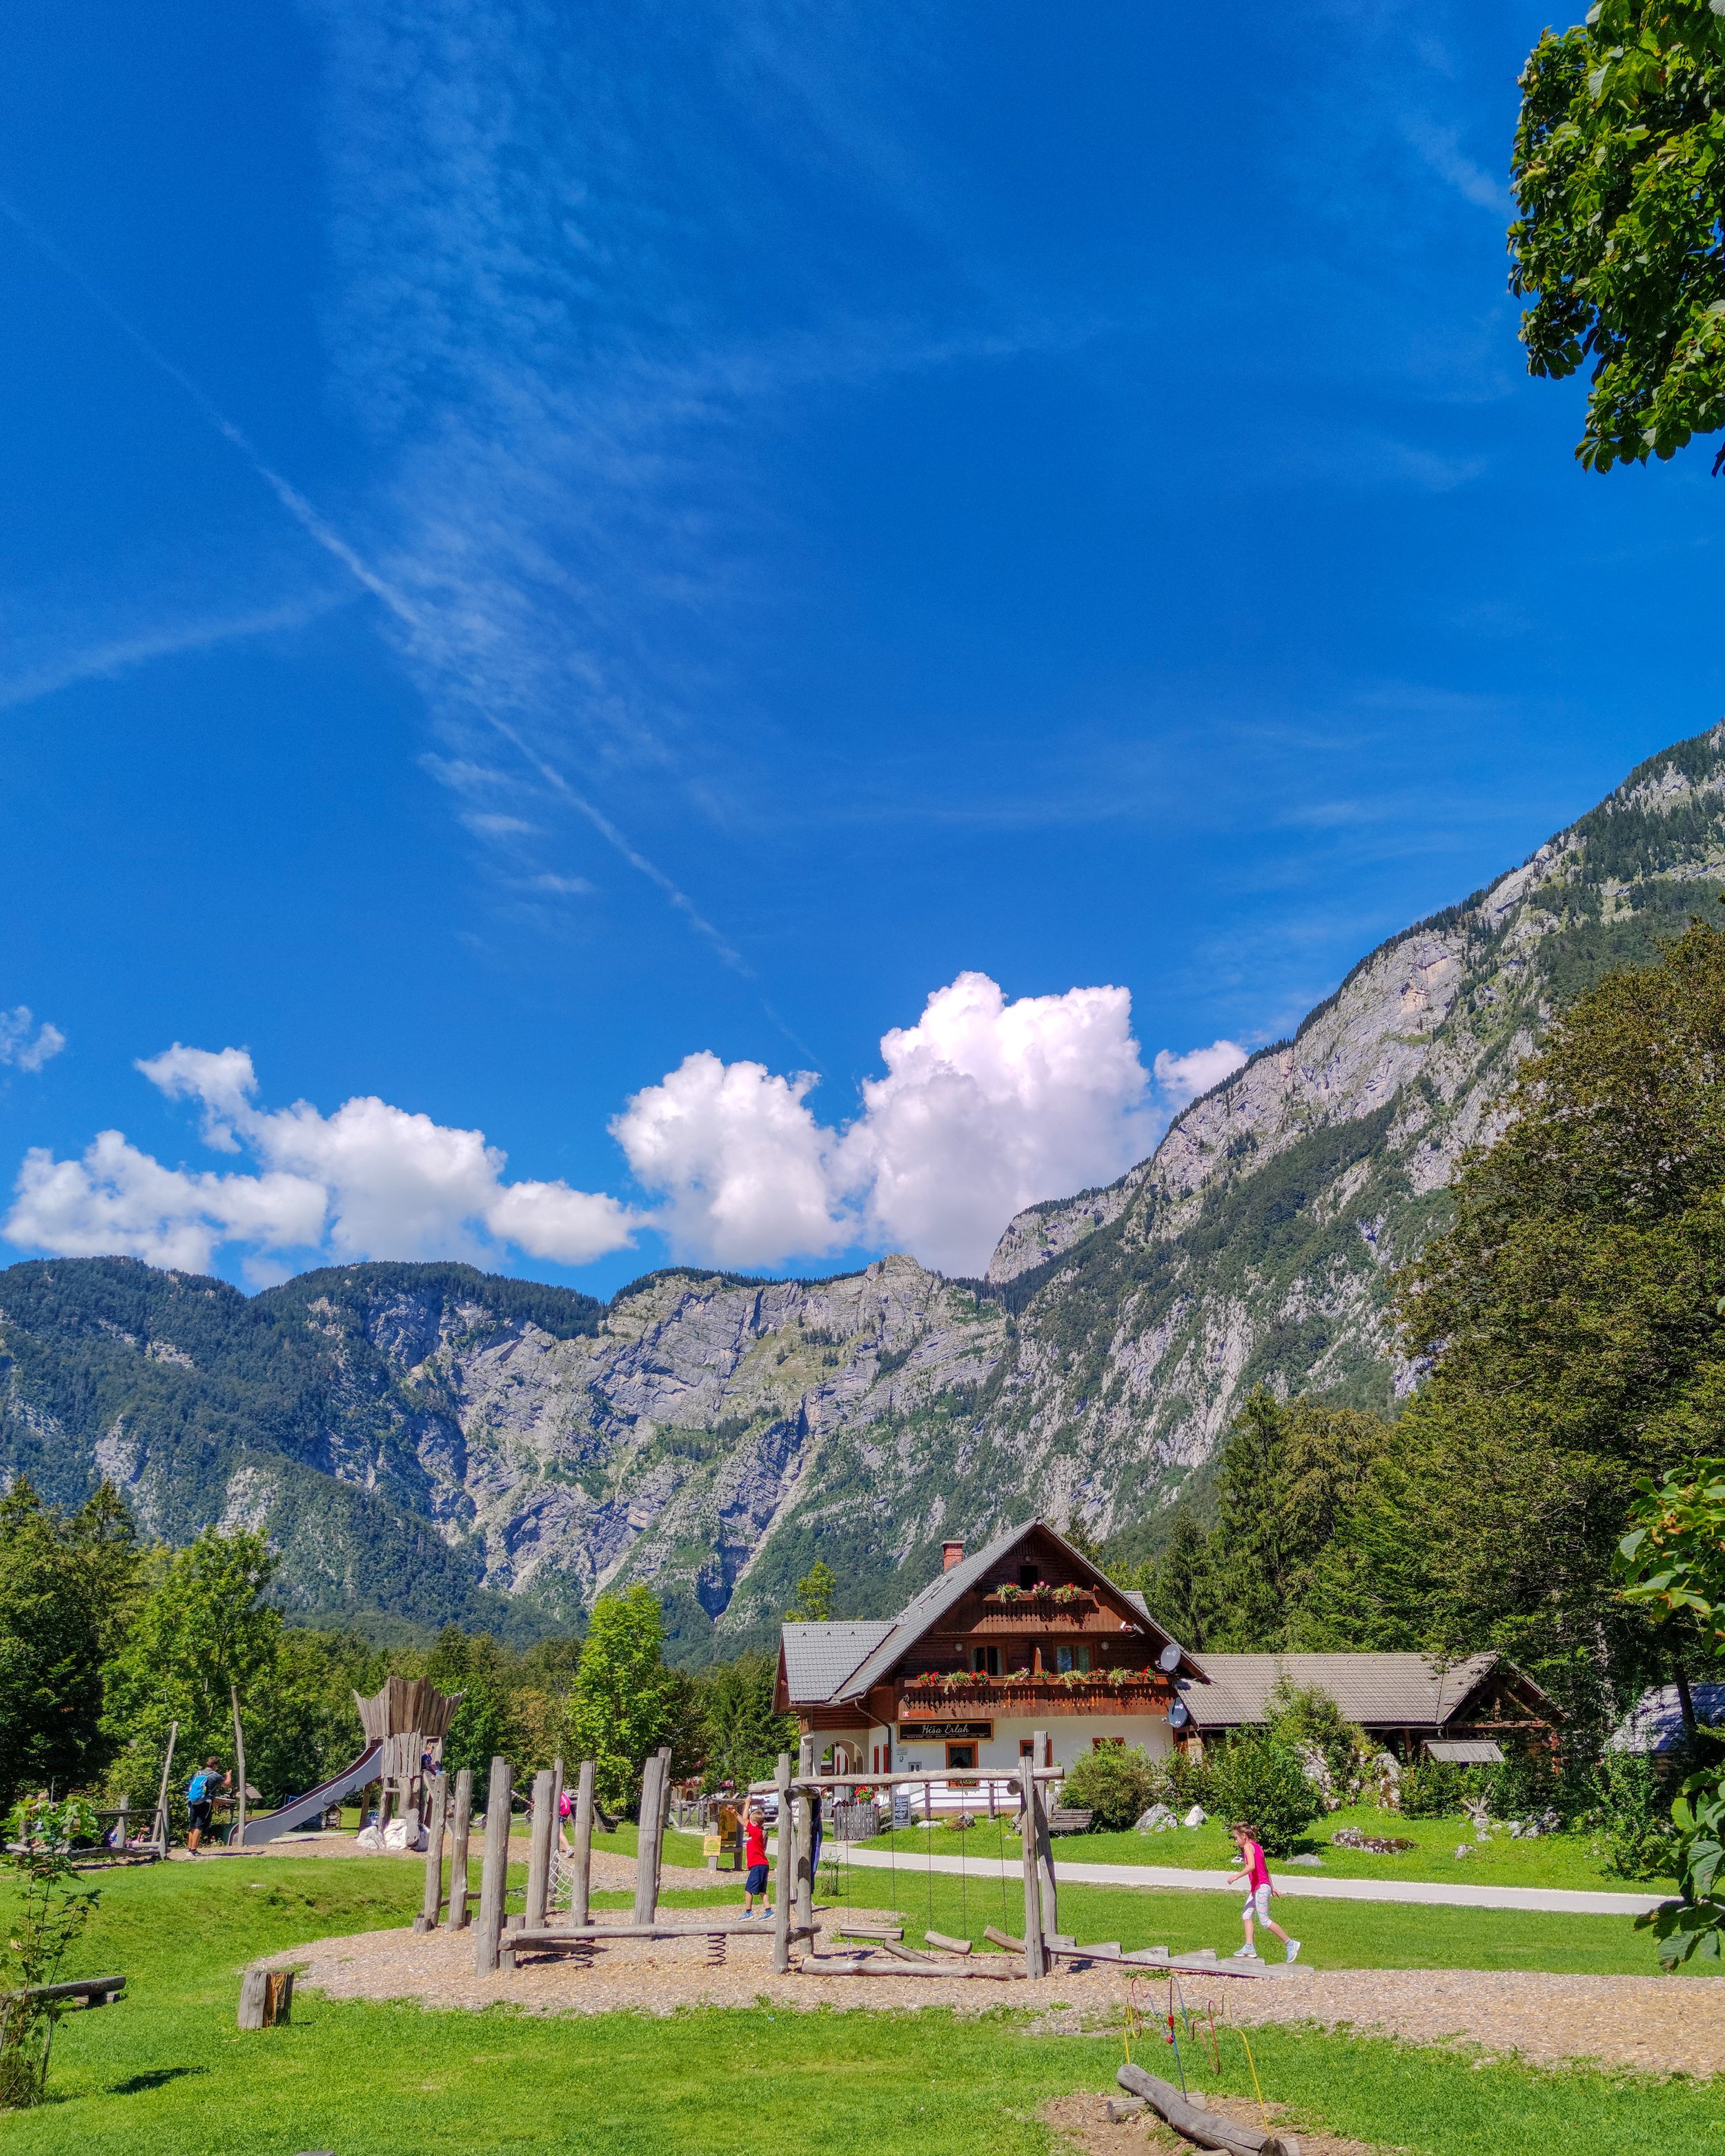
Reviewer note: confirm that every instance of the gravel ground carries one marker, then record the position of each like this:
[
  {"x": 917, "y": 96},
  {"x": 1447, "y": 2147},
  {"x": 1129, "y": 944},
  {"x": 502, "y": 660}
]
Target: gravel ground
[{"x": 1662, "y": 2025}]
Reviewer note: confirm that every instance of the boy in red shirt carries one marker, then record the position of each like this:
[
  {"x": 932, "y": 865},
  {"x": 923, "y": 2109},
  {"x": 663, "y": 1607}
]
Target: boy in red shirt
[
  {"x": 754, "y": 1857},
  {"x": 1255, "y": 1874}
]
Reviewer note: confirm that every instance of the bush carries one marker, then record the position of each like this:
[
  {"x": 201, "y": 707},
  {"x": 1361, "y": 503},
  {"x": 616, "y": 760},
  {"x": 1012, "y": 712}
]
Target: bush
[
  {"x": 1431, "y": 1789},
  {"x": 1335, "y": 1753},
  {"x": 1256, "y": 1779},
  {"x": 1633, "y": 1814},
  {"x": 1116, "y": 1785}
]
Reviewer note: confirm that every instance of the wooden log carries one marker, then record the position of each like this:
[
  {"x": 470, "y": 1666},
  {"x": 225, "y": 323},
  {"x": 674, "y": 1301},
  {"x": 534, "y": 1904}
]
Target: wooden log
[
  {"x": 1044, "y": 1851},
  {"x": 551, "y": 1936},
  {"x": 494, "y": 1877},
  {"x": 999, "y": 1938},
  {"x": 1119, "y": 2108},
  {"x": 1108, "y": 1953},
  {"x": 901, "y": 1953},
  {"x": 853, "y": 1931},
  {"x": 432, "y": 1905},
  {"x": 266, "y": 1998},
  {"x": 236, "y": 1832},
  {"x": 664, "y": 1805},
  {"x": 787, "y": 1871},
  {"x": 159, "y": 1832},
  {"x": 581, "y": 1892},
  {"x": 93, "y": 1990},
  {"x": 539, "y": 1848},
  {"x": 949, "y": 1945},
  {"x": 1035, "y": 1959},
  {"x": 647, "y": 1838},
  {"x": 460, "y": 1830},
  {"x": 953, "y": 1972},
  {"x": 1196, "y": 2124},
  {"x": 804, "y": 1811}
]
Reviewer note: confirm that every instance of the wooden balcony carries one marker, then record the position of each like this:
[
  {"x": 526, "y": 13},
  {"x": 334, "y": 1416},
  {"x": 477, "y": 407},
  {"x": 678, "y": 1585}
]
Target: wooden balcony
[{"x": 1138, "y": 1692}]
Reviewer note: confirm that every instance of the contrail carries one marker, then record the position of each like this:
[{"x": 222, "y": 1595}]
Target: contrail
[{"x": 318, "y": 529}]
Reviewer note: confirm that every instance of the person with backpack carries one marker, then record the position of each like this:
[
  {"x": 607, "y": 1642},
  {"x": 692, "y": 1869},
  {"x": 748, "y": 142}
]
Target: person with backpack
[{"x": 205, "y": 1786}]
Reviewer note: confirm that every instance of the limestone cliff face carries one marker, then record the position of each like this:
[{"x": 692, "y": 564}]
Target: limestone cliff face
[{"x": 428, "y": 1440}]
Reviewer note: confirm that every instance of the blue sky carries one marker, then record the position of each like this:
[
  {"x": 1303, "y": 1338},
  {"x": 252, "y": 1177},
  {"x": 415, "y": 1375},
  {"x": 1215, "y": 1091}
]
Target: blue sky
[{"x": 566, "y": 570}]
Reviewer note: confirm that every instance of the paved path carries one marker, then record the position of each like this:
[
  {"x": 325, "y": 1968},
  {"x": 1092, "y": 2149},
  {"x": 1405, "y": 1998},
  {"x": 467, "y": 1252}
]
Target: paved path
[{"x": 1556, "y": 1900}]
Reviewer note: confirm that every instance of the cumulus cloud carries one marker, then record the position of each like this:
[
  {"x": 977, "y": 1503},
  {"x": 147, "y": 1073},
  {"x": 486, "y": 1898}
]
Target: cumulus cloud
[
  {"x": 25, "y": 1044},
  {"x": 371, "y": 1180},
  {"x": 987, "y": 1107},
  {"x": 745, "y": 1171},
  {"x": 1182, "y": 1078}
]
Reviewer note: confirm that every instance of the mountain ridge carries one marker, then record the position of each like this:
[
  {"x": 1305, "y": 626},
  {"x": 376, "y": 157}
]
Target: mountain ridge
[{"x": 424, "y": 1442}]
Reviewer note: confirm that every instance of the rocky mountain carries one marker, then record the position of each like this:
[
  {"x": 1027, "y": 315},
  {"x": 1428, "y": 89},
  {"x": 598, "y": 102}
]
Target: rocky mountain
[{"x": 425, "y": 1442}]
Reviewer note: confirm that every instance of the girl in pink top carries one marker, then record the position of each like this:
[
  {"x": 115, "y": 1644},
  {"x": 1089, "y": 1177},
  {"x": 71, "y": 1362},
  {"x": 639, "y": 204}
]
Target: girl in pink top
[{"x": 1255, "y": 1874}]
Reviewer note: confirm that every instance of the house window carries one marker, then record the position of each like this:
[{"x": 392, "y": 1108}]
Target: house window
[
  {"x": 883, "y": 1759},
  {"x": 1070, "y": 1658},
  {"x": 1027, "y": 1748},
  {"x": 1030, "y": 1575},
  {"x": 961, "y": 1758},
  {"x": 986, "y": 1660},
  {"x": 1107, "y": 1744}
]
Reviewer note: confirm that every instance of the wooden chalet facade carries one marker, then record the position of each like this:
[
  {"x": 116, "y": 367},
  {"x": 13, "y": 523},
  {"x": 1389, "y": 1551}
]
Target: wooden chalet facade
[{"x": 1025, "y": 1636}]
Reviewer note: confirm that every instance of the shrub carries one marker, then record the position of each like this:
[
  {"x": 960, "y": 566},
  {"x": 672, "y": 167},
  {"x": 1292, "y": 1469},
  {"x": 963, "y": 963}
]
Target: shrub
[
  {"x": 1115, "y": 1783},
  {"x": 51, "y": 1908},
  {"x": 1257, "y": 1780},
  {"x": 1431, "y": 1789},
  {"x": 1633, "y": 1813},
  {"x": 1335, "y": 1753}
]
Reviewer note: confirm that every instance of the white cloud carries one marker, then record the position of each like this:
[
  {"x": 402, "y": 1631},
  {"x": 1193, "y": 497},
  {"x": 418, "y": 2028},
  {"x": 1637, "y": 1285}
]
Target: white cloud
[
  {"x": 1440, "y": 148},
  {"x": 119, "y": 1202},
  {"x": 18, "y": 1045},
  {"x": 988, "y": 1107},
  {"x": 371, "y": 1180},
  {"x": 743, "y": 1166},
  {"x": 1182, "y": 1078}
]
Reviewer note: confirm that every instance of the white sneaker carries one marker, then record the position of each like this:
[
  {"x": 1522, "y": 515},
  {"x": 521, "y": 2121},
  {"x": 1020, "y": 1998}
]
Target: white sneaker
[
  {"x": 1293, "y": 1949},
  {"x": 1247, "y": 1953}
]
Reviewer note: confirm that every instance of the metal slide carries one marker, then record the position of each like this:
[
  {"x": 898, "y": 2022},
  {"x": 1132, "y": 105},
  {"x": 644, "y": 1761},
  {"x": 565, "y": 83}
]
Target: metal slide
[{"x": 311, "y": 1806}]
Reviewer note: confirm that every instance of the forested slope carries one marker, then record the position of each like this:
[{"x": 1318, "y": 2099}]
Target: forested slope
[{"x": 425, "y": 1441}]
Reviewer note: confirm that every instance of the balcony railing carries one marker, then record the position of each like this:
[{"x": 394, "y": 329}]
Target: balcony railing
[{"x": 974, "y": 1689}]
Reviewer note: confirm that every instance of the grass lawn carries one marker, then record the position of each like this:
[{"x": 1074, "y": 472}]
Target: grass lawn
[
  {"x": 1555, "y": 1859},
  {"x": 167, "y": 2071}
]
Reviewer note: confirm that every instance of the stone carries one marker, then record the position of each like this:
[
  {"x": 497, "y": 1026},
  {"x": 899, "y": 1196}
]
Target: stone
[
  {"x": 1158, "y": 1820},
  {"x": 1196, "y": 1816}
]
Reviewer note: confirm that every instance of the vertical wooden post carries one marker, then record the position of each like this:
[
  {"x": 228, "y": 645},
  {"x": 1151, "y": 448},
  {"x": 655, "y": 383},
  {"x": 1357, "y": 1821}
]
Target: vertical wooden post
[
  {"x": 664, "y": 1805},
  {"x": 539, "y": 1850},
  {"x": 1035, "y": 1957},
  {"x": 426, "y": 1921},
  {"x": 122, "y": 1825},
  {"x": 647, "y": 1837},
  {"x": 1044, "y": 1847},
  {"x": 168, "y": 1767},
  {"x": 494, "y": 1877},
  {"x": 785, "y": 1884},
  {"x": 580, "y": 1894},
  {"x": 458, "y": 1850},
  {"x": 236, "y": 1832}
]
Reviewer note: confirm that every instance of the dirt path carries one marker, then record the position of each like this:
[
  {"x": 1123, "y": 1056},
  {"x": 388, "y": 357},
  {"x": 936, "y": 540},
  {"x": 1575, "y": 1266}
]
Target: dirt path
[{"x": 1661, "y": 2025}]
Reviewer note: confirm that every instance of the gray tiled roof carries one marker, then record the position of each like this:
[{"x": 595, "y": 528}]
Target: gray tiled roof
[
  {"x": 818, "y": 1658},
  {"x": 1382, "y": 1690}
]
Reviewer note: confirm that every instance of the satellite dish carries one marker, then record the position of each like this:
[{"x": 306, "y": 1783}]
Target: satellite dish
[
  {"x": 1179, "y": 1715},
  {"x": 1169, "y": 1659}
]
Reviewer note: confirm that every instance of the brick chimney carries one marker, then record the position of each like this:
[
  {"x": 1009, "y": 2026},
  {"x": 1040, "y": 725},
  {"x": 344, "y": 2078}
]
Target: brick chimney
[{"x": 952, "y": 1553}]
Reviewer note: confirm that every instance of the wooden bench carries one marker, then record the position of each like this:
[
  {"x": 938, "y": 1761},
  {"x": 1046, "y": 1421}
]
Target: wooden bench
[
  {"x": 1065, "y": 1820},
  {"x": 93, "y": 1990}
]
